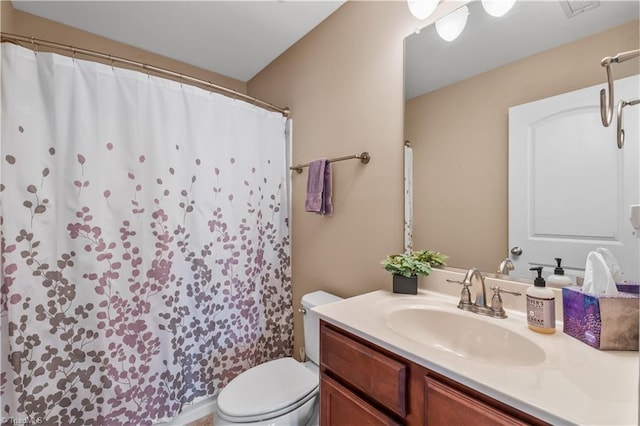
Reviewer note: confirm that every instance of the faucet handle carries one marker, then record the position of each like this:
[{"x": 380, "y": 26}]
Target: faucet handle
[
  {"x": 496, "y": 301},
  {"x": 465, "y": 294},
  {"x": 498, "y": 290}
]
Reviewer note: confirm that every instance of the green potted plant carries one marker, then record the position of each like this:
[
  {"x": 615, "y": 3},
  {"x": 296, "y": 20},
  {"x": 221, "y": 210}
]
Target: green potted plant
[{"x": 406, "y": 267}]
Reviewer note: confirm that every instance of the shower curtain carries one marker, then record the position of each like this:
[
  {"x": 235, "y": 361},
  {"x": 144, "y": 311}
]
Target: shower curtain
[{"x": 145, "y": 242}]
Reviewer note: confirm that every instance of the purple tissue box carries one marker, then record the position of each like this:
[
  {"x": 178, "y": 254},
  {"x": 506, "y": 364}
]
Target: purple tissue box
[
  {"x": 604, "y": 322},
  {"x": 629, "y": 287}
]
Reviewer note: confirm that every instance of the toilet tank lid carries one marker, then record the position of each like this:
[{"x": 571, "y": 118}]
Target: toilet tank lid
[{"x": 318, "y": 298}]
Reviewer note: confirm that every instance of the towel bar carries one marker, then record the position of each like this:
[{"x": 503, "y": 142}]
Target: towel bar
[{"x": 364, "y": 157}]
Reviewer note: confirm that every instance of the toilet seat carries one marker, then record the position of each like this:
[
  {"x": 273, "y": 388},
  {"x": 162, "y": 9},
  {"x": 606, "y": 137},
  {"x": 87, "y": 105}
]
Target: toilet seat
[{"x": 266, "y": 391}]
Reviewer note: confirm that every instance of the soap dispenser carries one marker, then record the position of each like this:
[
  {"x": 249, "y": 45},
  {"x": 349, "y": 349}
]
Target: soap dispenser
[
  {"x": 541, "y": 305},
  {"x": 558, "y": 279}
]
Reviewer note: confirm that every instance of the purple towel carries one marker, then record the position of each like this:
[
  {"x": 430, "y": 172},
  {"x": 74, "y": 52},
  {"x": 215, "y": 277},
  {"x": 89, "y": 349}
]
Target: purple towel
[
  {"x": 319, "y": 188},
  {"x": 315, "y": 185},
  {"x": 327, "y": 205}
]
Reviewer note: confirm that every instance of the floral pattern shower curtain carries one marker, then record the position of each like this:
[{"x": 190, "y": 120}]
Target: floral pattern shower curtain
[{"x": 145, "y": 242}]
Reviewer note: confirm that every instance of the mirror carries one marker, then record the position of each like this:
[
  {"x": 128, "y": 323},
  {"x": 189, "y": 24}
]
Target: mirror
[{"x": 457, "y": 100}]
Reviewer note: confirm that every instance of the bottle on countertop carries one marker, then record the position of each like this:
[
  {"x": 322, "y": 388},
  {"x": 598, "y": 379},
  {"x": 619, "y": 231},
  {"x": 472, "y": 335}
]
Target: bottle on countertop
[
  {"x": 541, "y": 306},
  {"x": 558, "y": 279}
]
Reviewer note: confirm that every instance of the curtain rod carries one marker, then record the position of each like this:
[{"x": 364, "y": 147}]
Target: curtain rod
[
  {"x": 363, "y": 157},
  {"x": 76, "y": 50}
]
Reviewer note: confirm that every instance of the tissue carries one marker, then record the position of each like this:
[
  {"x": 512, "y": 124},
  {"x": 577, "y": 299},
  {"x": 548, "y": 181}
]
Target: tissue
[
  {"x": 612, "y": 263},
  {"x": 621, "y": 283},
  {"x": 598, "y": 278}
]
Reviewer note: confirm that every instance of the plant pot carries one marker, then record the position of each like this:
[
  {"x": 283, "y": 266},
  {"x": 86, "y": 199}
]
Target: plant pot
[{"x": 405, "y": 285}]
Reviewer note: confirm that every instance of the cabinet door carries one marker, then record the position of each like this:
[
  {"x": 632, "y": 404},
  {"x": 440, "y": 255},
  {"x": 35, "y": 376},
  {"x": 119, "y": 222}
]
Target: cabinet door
[
  {"x": 445, "y": 405},
  {"x": 339, "y": 406},
  {"x": 371, "y": 372}
]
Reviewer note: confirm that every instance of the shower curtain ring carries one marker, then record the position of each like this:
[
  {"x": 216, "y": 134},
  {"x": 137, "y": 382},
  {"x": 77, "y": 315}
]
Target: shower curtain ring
[
  {"x": 111, "y": 59},
  {"x": 35, "y": 46}
]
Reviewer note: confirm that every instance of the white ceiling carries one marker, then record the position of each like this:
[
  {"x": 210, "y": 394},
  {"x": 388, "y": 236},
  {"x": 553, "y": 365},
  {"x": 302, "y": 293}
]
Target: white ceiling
[{"x": 233, "y": 38}]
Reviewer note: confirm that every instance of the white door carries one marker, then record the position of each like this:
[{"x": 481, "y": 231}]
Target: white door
[{"x": 570, "y": 187}]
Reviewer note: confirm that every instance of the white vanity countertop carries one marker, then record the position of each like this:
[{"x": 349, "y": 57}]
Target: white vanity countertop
[{"x": 575, "y": 384}]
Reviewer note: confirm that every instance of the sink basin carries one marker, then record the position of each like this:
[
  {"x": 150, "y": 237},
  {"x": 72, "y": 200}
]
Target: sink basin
[{"x": 464, "y": 335}]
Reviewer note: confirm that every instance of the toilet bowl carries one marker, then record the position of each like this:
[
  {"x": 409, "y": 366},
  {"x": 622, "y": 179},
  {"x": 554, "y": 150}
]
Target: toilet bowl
[{"x": 279, "y": 392}]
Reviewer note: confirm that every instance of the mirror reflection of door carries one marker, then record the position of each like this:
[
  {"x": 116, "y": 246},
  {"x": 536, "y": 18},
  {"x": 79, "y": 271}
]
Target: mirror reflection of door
[{"x": 570, "y": 187}]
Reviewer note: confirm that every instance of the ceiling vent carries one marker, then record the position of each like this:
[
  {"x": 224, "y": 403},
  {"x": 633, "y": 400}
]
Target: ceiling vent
[{"x": 576, "y": 7}]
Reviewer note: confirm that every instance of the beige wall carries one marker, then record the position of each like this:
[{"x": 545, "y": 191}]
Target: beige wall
[
  {"x": 17, "y": 22},
  {"x": 344, "y": 84},
  {"x": 460, "y": 138}
]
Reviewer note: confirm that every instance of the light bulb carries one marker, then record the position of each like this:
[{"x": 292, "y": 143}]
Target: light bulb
[
  {"x": 421, "y": 9},
  {"x": 449, "y": 27},
  {"x": 497, "y": 8}
]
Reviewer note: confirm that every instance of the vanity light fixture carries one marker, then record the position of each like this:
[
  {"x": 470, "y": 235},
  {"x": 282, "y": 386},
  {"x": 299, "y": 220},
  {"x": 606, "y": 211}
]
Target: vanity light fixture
[
  {"x": 421, "y": 9},
  {"x": 497, "y": 8},
  {"x": 449, "y": 27}
]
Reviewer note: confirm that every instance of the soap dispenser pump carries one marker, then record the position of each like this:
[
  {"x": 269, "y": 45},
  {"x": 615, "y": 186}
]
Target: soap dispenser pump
[
  {"x": 558, "y": 279},
  {"x": 541, "y": 305}
]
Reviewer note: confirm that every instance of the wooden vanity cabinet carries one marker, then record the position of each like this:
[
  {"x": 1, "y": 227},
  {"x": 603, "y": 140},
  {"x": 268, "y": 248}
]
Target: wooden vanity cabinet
[
  {"x": 448, "y": 405},
  {"x": 340, "y": 406},
  {"x": 364, "y": 384}
]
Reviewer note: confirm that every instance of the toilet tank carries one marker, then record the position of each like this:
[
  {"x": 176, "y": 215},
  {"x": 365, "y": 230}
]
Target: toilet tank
[{"x": 312, "y": 322}]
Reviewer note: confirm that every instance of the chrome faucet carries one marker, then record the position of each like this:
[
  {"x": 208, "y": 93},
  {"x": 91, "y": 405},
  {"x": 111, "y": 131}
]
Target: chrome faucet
[
  {"x": 481, "y": 291},
  {"x": 479, "y": 306},
  {"x": 505, "y": 266}
]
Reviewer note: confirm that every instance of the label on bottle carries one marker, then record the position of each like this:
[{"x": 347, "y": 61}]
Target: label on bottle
[{"x": 541, "y": 312}]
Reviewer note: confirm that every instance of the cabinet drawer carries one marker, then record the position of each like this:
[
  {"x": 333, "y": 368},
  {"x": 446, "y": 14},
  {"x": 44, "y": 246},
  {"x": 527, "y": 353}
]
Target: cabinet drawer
[
  {"x": 446, "y": 405},
  {"x": 338, "y": 406},
  {"x": 381, "y": 378}
]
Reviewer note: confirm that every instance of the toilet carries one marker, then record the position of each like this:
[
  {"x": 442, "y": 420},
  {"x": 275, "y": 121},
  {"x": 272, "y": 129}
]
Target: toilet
[{"x": 279, "y": 392}]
